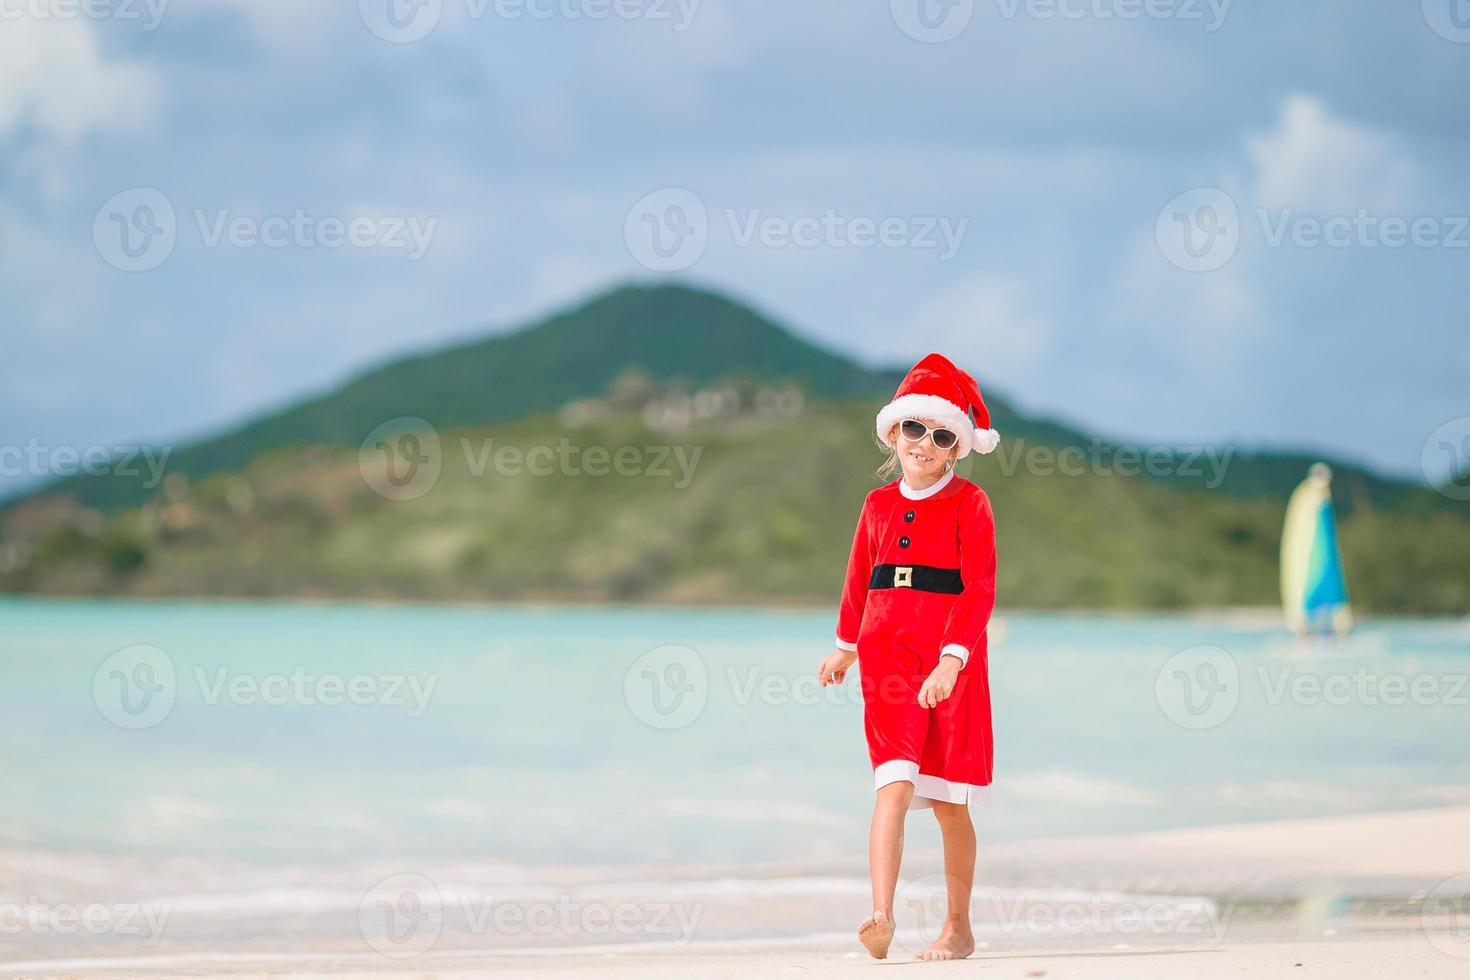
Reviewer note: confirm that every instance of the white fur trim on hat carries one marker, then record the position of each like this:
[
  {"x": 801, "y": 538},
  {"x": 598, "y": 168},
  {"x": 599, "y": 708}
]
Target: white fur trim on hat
[{"x": 943, "y": 411}]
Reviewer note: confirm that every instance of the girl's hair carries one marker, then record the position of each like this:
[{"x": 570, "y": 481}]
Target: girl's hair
[{"x": 890, "y": 467}]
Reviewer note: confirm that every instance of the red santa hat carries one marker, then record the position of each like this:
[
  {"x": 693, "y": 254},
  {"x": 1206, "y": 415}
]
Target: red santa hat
[{"x": 936, "y": 389}]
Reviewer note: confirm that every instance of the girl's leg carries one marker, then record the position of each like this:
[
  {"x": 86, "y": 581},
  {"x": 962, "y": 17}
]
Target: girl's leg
[
  {"x": 885, "y": 851},
  {"x": 955, "y": 941}
]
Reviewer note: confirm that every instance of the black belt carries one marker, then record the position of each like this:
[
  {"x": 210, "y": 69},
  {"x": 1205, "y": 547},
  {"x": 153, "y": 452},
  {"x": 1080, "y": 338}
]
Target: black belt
[{"x": 925, "y": 578}]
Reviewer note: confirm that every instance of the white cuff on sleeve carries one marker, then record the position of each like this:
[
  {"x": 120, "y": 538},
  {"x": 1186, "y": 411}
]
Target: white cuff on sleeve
[
  {"x": 955, "y": 650},
  {"x": 844, "y": 645}
]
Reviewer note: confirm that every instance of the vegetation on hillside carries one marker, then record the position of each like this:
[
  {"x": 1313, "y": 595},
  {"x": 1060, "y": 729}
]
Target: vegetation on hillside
[
  {"x": 668, "y": 334},
  {"x": 777, "y": 430},
  {"x": 758, "y": 508}
]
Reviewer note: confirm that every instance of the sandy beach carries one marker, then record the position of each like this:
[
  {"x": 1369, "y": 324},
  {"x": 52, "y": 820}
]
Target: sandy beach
[
  {"x": 1368, "y": 853},
  {"x": 1343, "y": 897},
  {"x": 1344, "y": 960}
]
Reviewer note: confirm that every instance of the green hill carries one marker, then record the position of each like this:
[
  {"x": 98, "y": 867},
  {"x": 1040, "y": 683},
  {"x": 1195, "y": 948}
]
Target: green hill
[
  {"x": 764, "y": 513},
  {"x": 279, "y": 506},
  {"x": 668, "y": 333}
]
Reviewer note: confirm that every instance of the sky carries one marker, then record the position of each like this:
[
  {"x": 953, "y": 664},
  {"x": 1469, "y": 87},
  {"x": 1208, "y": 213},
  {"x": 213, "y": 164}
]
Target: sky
[{"x": 1170, "y": 221}]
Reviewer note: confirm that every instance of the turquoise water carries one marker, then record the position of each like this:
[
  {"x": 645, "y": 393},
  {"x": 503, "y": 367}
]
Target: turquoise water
[
  {"x": 537, "y": 736},
  {"x": 313, "y": 777}
]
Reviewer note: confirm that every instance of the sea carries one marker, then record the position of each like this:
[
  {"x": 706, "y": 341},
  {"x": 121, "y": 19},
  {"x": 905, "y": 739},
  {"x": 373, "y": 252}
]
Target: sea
[{"x": 378, "y": 781}]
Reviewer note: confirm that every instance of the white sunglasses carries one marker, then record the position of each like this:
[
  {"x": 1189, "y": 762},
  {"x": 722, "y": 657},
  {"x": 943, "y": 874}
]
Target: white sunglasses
[{"x": 913, "y": 430}]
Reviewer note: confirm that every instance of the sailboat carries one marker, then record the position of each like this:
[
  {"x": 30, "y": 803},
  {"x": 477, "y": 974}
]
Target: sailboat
[{"x": 1314, "y": 592}]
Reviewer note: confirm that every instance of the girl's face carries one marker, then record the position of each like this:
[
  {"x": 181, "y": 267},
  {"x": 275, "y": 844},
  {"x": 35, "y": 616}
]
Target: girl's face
[{"x": 922, "y": 463}]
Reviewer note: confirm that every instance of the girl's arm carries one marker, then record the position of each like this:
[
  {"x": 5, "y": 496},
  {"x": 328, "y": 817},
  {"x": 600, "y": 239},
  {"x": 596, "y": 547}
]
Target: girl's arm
[
  {"x": 970, "y": 614},
  {"x": 855, "y": 587}
]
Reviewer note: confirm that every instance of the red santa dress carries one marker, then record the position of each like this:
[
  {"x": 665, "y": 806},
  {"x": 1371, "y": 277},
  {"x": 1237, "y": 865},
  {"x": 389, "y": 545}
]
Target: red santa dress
[{"x": 920, "y": 584}]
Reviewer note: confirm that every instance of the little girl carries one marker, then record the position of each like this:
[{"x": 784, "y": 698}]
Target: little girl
[{"x": 919, "y": 592}]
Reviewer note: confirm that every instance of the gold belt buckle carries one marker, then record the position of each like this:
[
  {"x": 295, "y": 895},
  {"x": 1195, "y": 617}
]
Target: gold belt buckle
[{"x": 903, "y": 577}]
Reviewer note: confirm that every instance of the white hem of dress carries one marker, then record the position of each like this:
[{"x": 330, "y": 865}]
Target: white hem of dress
[{"x": 928, "y": 788}]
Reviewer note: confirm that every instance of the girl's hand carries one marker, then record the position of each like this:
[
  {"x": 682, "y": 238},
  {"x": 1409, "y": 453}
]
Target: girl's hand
[
  {"x": 940, "y": 683},
  {"x": 834, "y": 668}
]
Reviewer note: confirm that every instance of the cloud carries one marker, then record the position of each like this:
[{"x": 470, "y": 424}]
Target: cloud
[
  {"x": 291, "y": 25},
  {"x": 685, "y": 38},
  {"x": 1208, "y": 313},
  {"x": 1309, "y": 161},
  {"x": 53, "y": 77},
  {"x": 985, "y": 320},
  {"x": 530, "y": 138},
  {"x": 1314, "y": 161},
  {"x": 555, "y": 281}
]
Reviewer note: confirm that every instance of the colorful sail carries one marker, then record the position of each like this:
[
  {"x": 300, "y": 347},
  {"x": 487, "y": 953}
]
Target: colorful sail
[{"x": 1313, "y": 586}]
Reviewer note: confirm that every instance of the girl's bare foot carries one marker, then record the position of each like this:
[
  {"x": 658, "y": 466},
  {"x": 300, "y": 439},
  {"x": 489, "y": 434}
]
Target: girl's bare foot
[
  {"x": 951, "y": 945},
  {"x": 876, "y": 933}
]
